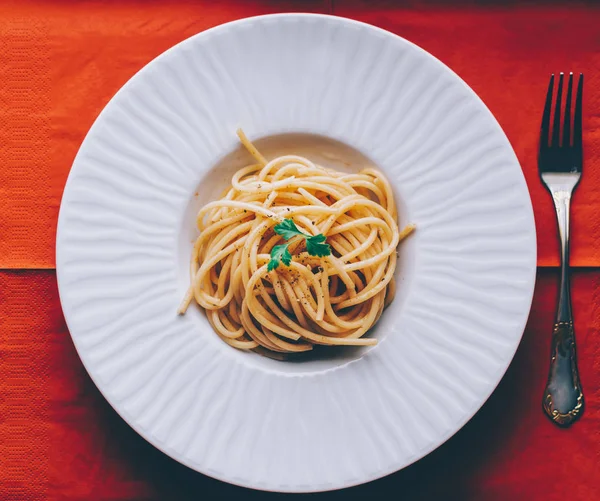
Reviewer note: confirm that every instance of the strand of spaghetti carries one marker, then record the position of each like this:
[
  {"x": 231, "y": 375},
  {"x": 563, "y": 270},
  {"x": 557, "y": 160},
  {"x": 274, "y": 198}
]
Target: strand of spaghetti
[
  {"x": 408, "y": 229},
  {"x": 285, "y": 159},
  {"x": 329, "y": 310},
  {"x": 265, "y": 187},
  {"x": 363, "y": 221},
  {"x": 370, "y": 292},
  {"x": 236, "y": 205},
  {"x": 250, "y": 147},
  {"x": 368, "y": 185},
  {"x": 362, "y": 248},
  {"x": 221, "y": 329},
  {"x": 265, "y": 318},
  {"x": 229, "y": 323},
  {"x": 204, "y": 299},
  {"x": 285, "y": 345},
  {"x": 310, "y": 198},
  {"x": 391, "y": 205},
  {"x": 241, "y": 344},
  {"x": 295, "y": 304},
  {"x": 255, "y": 333},
  {"x": 240, "y": 174}
]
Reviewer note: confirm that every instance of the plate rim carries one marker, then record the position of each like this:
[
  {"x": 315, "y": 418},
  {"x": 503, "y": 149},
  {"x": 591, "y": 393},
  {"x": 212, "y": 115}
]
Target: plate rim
[{"x": 531, "y": 278}]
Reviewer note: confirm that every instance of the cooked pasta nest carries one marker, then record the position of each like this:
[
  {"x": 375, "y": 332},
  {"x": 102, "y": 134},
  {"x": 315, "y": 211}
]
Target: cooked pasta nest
[{"x": 315, "y": 300}]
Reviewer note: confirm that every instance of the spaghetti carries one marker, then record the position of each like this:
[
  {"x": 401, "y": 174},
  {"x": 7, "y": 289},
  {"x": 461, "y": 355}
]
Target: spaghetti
[{"x": 326, "y": 300}]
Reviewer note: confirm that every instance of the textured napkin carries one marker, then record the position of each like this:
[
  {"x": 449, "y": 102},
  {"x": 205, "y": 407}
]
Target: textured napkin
[{"x": 60, "y": 63}]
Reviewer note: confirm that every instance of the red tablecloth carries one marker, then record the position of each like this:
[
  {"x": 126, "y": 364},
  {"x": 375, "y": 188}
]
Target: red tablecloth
[{"x": 60, "y": 62}]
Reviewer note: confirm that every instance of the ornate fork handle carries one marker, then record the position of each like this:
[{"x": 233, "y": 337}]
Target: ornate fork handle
[{"x": 563, "y": 397}]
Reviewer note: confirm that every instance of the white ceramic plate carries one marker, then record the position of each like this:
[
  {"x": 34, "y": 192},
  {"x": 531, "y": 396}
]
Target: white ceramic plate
[{"x": 465, "y": 280}]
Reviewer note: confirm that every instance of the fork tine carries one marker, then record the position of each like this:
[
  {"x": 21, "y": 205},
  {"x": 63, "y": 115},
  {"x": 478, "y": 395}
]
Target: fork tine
[
  {"x": 545, "y": 133},
  {"x": 577, "y": 124},
  {"x": 567, "y": 121},
  {"x": 556, "y": 126}
]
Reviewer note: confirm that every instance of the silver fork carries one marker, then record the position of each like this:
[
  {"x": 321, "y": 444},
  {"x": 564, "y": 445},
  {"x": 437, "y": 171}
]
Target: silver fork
[{"x": 560, "y": 163}]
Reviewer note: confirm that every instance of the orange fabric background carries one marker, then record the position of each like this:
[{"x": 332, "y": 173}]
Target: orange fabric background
[{"x": 60, "y": 63}]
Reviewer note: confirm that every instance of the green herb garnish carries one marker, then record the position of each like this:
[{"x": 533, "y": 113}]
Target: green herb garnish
[
  {"x": 279, "y": 253},
  {"x": 315, "y": 245}
]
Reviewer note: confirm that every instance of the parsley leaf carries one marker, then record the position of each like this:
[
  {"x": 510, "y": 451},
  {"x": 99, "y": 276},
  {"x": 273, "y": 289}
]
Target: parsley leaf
[
  {"x": 315, "y": 246},
  {"x": 279, "y": 253},
  {"x": 288, "y": 229}
]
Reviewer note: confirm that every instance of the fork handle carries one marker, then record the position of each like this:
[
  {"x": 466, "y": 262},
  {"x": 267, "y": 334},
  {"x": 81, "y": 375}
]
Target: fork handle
[{"x": 563, "y": 397}]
